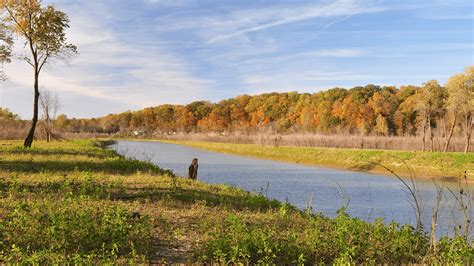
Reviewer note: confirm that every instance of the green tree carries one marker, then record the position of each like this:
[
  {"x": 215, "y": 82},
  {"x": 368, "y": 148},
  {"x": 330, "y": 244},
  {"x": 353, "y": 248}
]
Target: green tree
[
  {"x": 455, "y": 89},
  {"x": 61, "y": 122},
  {"x": 429, "y": 104},
  {"x": 381, "y": 125},
  {"x": 404, "y": 117},
  {"x": 43, "y": 30},
  {"x": 384, "y": 103},
  {"x": 469, "y": 108},
  {"x": 5, "y": 114},
  {"x": 460, "y": 103}
]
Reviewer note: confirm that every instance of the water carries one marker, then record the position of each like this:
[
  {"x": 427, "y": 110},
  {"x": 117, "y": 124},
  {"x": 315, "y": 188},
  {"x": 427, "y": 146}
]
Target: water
[{"x": 367, "y": 196}]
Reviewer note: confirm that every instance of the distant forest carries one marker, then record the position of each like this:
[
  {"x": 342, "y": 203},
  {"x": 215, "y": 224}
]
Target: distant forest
[{"x": 431, "y": 110}]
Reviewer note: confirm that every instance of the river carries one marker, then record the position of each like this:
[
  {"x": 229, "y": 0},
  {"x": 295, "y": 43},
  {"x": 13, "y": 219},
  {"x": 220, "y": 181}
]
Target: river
[{"x": 367, "y": 196}]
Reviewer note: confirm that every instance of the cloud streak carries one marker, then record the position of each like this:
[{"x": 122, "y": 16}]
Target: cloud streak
[{"x": 284, "y": 16}]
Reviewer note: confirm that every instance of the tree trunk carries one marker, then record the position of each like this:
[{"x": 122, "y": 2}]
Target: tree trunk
[
  {"x": 450, "y": 134},
  {"x": 48, "y": 126},
  {"x": 431, "y": 133},
  {"x": 47, "y": 132},
  {"x": 424, "y": 135},
  {"x": 468, "y": 132},
  {"x": 34, "y": 121}
]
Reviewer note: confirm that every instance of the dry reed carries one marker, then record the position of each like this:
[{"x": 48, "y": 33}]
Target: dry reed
[{"x": 318, "y": 140}]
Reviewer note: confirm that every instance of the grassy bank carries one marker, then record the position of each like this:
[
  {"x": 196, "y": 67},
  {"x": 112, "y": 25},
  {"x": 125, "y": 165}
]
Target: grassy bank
[
  {"x": 74, "y": 202},
  {"x": 451, "y": 165}
]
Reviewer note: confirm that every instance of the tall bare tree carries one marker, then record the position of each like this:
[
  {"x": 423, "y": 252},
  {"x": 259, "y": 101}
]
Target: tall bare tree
[
  {"x": 50, "y": 105},
  {"x": 43, "y": 30}
]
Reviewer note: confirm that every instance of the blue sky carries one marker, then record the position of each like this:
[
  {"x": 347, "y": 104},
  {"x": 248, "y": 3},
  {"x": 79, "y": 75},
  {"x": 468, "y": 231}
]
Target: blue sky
[{"x": 135, "y": 54}]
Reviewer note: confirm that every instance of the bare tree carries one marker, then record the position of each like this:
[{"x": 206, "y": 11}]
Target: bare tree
[{"x": 49, "y": 103}]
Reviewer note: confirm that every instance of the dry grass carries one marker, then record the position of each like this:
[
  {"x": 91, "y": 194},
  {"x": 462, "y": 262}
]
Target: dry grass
[
  {"x": 409, "y": 143},
  {"x": 10, "y": 130},
  {"x": 16, "y": 130}
]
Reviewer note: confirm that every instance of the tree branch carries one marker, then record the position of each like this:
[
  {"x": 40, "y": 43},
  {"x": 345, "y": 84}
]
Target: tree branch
[
  {"x": 43, "y": 63},
  {"x": 16, "y": 22}
]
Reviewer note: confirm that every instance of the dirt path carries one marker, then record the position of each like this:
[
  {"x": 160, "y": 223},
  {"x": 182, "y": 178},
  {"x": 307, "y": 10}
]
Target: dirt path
[{"x": 170, "y": 253}]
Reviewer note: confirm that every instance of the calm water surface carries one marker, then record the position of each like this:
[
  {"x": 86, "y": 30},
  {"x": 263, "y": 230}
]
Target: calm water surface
[{"x": 367, "y": 196}]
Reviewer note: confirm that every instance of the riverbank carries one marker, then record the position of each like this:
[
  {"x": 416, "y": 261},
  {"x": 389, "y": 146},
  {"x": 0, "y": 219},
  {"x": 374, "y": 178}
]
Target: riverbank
[
  {"x": 450, "y": 166},
  {"x": 76, "y": 203}
]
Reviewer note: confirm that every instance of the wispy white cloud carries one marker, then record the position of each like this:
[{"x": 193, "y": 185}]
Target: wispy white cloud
[
  {"x": 265, "y": 19},
  {"x": 229, "y": 23}
]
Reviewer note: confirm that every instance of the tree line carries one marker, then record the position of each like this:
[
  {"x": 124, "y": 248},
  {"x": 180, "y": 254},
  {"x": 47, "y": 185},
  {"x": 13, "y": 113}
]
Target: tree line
[{"x": 429, "y": 111}]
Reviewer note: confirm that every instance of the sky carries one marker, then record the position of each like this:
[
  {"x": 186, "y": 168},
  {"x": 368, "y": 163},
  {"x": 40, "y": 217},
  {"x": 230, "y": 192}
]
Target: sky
[{"x": 142, "y": 53}]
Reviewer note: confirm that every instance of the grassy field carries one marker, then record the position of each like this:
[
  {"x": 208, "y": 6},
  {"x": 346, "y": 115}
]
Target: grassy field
[
  {"x": 451, "y": 165},
  {"x": 74, "y": 202}
]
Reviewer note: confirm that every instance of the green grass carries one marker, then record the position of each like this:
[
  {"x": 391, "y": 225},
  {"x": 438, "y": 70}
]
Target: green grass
[
  {"x": 74, "y": 202},
  {"x": 451, "y": 165}
]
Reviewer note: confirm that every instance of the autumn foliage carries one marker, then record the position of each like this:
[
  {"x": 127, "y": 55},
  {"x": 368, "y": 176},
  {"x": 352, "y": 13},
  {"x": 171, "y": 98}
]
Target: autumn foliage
[{"x": 429, "y": 111}]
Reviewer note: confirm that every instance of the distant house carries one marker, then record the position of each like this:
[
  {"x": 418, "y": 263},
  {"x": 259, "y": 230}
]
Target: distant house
[{"x": 138, "y": 133}]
